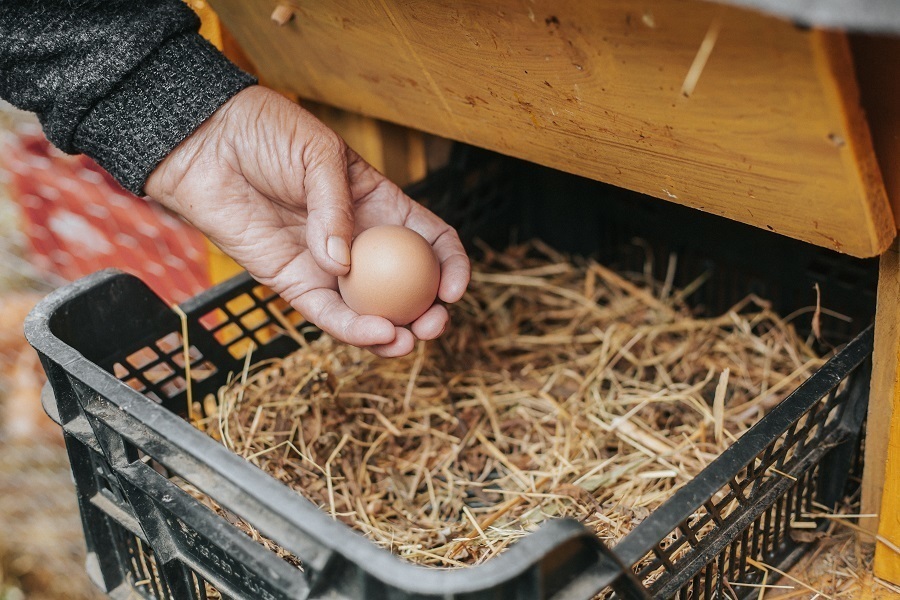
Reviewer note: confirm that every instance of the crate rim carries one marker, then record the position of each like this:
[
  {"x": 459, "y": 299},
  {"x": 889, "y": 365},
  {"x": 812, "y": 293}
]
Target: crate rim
[{"x": 296, "y": 511}]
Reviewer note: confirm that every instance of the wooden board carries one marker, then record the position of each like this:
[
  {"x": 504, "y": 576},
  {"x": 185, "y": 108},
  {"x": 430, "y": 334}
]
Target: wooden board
[
  {"x": 884, "y": 384},
  {"x": 771, "y": 133},
  {"x": 881, "y": 479}
]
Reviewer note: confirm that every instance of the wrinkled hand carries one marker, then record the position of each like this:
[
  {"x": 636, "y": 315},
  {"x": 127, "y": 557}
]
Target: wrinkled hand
[{"x": 283, "y": 195}]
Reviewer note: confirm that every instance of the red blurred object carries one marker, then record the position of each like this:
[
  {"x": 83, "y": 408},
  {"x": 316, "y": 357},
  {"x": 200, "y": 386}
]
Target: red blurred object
[{"x": 79, "y": 220}]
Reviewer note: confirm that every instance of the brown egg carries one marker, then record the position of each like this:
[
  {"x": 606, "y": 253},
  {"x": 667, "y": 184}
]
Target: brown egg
[{"x": 393, "y": 274}]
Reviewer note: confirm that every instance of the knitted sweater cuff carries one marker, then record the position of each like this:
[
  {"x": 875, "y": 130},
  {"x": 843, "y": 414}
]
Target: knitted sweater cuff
[{"x": 168, "y": 96}]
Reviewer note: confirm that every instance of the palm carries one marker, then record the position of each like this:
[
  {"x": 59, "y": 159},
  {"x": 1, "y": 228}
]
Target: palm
[{"x": 268, "y": 200}]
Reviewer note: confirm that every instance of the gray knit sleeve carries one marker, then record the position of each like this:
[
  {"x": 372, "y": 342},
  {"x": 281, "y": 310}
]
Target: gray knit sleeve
[{"x": 121, "y": 81}]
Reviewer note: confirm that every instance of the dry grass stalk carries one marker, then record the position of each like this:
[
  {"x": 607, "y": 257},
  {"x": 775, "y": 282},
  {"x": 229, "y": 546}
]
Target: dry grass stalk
[{"x": 561, "y": 389}]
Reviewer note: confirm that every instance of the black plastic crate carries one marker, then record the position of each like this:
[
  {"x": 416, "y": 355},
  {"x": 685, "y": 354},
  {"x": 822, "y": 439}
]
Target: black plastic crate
[{"x": 113, "y": 354}]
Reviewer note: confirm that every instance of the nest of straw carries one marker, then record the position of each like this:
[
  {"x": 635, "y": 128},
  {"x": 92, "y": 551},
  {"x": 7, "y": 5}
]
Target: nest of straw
[{"x": 561, "y": 389}]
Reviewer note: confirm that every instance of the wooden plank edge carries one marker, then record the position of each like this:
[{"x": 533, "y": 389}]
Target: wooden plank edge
[
  {"x": 881, "y": 476},
  {"x": 838, "y": 75}
]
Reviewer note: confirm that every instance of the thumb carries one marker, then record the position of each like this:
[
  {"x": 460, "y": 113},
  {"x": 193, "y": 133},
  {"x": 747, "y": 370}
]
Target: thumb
[{"x": 329, "y": 228}]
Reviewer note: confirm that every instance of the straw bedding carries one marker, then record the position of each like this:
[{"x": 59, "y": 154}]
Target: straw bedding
[{"x": 560, "y": 389}]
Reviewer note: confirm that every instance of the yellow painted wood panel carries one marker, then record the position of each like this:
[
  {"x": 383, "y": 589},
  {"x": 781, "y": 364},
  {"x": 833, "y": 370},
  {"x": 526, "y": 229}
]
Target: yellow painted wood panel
[
  {"x": 884, "y": 384},
  {"x": 881, "y": 480},
  {"x": 771, "y": 135}
]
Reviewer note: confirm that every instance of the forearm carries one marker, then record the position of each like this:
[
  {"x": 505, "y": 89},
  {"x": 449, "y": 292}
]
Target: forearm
[{"x": 121, "y": 81}]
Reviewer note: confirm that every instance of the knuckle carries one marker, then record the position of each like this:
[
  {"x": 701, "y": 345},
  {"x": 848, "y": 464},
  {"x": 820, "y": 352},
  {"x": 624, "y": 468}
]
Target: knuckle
[
  {"x": 334, "y": 218},
  {"x": 327, "y": 147}
]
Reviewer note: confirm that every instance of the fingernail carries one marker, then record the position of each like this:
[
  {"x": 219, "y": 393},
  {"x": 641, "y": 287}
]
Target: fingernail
[{"x": 338, "y": 250}]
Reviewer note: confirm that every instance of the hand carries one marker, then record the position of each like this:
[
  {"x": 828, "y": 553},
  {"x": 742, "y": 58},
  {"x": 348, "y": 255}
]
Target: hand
[{"x": 283, "y": 195}]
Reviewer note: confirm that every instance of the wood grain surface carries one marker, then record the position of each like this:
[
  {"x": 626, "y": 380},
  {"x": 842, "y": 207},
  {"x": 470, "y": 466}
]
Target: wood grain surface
[
  {"x": 717, "y": 108},
  {"x": 881, "y": 478}
]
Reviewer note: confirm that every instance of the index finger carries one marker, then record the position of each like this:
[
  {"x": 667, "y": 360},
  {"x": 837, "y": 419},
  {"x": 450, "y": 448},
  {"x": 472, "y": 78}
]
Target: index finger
[{"x": 326, "y": 309}]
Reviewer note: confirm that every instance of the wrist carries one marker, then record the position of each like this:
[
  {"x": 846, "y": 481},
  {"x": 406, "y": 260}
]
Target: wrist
[
  {"x": 153, "y": 109},
  {"x": 200, "y": 154}
]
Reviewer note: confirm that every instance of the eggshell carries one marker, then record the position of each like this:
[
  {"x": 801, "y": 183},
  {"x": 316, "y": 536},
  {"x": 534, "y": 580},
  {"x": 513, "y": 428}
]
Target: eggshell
[{"x": 393, "y": 274}]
